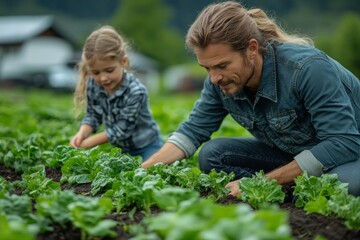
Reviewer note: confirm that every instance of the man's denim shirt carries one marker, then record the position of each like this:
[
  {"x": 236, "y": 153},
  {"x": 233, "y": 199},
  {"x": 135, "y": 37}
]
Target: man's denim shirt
[
  {"x": 126, "y": 114},
  {"x": 307, "y": 105}
]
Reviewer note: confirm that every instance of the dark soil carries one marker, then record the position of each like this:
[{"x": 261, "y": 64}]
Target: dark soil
[{"x": 304, "y": 226}]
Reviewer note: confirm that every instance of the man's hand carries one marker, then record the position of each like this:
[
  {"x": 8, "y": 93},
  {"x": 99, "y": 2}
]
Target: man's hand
[
  {"x": 283, "y": 175},
  {"x": 234, "y": 187}
]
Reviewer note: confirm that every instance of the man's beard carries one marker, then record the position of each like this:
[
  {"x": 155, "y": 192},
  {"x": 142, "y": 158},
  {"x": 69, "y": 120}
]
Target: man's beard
[{"x": 231, "y": 94}]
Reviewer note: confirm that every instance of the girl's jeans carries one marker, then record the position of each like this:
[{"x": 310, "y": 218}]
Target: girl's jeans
[{"x": 245, "y": 156}]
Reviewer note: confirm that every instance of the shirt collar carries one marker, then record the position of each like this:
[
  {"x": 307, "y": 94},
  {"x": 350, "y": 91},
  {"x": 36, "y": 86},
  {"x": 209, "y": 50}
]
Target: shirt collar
[
  {"x": 124, "y": 86},
  {"x": 267, "y": 87}
]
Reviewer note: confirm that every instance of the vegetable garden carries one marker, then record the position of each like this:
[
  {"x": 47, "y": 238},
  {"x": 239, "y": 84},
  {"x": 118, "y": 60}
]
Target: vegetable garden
[{"x": 49, "y": 190}]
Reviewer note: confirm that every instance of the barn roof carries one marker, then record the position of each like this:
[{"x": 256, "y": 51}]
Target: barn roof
[{"x": 18, "y": 29}]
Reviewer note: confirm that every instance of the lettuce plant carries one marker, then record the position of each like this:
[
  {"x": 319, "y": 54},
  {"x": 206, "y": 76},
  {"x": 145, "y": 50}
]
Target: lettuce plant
[
  {"x": 36, "y": 183},
  {"x": 89, "y": 217},
  {"x": 17, "y": 229},
  {"x": 204, "y": 219},
  {"x": 260, "y": 191},
  {"x": 326, "y": 195}
]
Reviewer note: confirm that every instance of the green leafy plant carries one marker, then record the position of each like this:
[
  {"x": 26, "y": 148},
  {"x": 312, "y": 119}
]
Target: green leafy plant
[
  {"x": 16, "y": 206},
  {"x": 5, "y": 187},
  {"x": 54, "y": 205},
  {"x": 347, "y": 207},
  {"x": 22, "y": 158},
  {"x": 110, "y": 167},
  {"x": 205, "y": 219},
  {"x": 214, "y": 183},
  {"x": 188, "y": 176},
  {"x": 36, "y": 183},
  {"x": 260, "y": 191},
  {"x": 16, "y": 229},
  {"x": 312, "y": 190},
  {"x": 170, "y": 198},
  {"x": 78, "y": 167},
  {"x": 326, "y": 195},
  {"x": 89, "y": 217},
  {"x": 60, "y": 154},
  {"x": 135, "y": 189}
]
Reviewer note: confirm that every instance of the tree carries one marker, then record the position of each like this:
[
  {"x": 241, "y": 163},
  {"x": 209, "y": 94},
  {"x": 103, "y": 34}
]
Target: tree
[
  {"x": 145, "y": 23},
  {"x": 344, "y": 44},
  {"x": 347, "y": 43}
]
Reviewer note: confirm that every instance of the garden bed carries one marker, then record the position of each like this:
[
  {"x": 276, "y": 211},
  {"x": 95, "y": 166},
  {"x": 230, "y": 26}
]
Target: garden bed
[{"x": 304, "y": 226}]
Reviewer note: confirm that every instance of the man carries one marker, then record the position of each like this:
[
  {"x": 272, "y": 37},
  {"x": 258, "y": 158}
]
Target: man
[{"x": 301, "y": 106}]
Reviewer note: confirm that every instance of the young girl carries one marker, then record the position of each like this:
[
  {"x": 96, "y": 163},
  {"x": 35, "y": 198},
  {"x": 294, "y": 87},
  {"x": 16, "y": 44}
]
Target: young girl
[{"x": 114, "y": 97}]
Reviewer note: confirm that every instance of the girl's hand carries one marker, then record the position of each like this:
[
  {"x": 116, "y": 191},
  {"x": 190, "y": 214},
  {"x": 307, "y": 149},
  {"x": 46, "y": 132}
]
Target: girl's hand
[
  {"x": 234, "y": 187},
  {"x": 77, "y": 140},
  {"x": 83, "y": 133}
]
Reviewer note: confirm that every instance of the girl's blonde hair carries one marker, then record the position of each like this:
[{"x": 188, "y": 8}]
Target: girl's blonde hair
[
  {"x": 103, "y": 43},
  {"x": 231, "y": 23}
]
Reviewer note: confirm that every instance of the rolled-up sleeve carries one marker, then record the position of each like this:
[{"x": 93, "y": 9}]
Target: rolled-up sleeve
[
  {"x": 308, "y": 162},
  {"x": 184, "y": 143}
]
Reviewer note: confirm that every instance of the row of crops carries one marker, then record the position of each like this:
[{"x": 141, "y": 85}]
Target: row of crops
[{"x": 35, "y": 128}]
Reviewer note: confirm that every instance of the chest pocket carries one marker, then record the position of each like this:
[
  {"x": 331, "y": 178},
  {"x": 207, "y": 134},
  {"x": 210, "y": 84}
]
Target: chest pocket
[
  {"x": 243, "y": 120},
  {"x": 290, "y": 128}
]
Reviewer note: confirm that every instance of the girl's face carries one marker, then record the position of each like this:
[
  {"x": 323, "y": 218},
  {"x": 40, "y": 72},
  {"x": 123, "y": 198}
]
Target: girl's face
[{"x": 108, "y": 73}]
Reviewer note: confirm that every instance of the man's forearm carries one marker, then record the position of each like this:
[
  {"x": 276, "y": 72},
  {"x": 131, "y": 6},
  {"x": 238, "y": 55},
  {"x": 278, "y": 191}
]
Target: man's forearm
[
  {"x": 286, "y": 174},
  {"x": 168, "y": 154}
]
